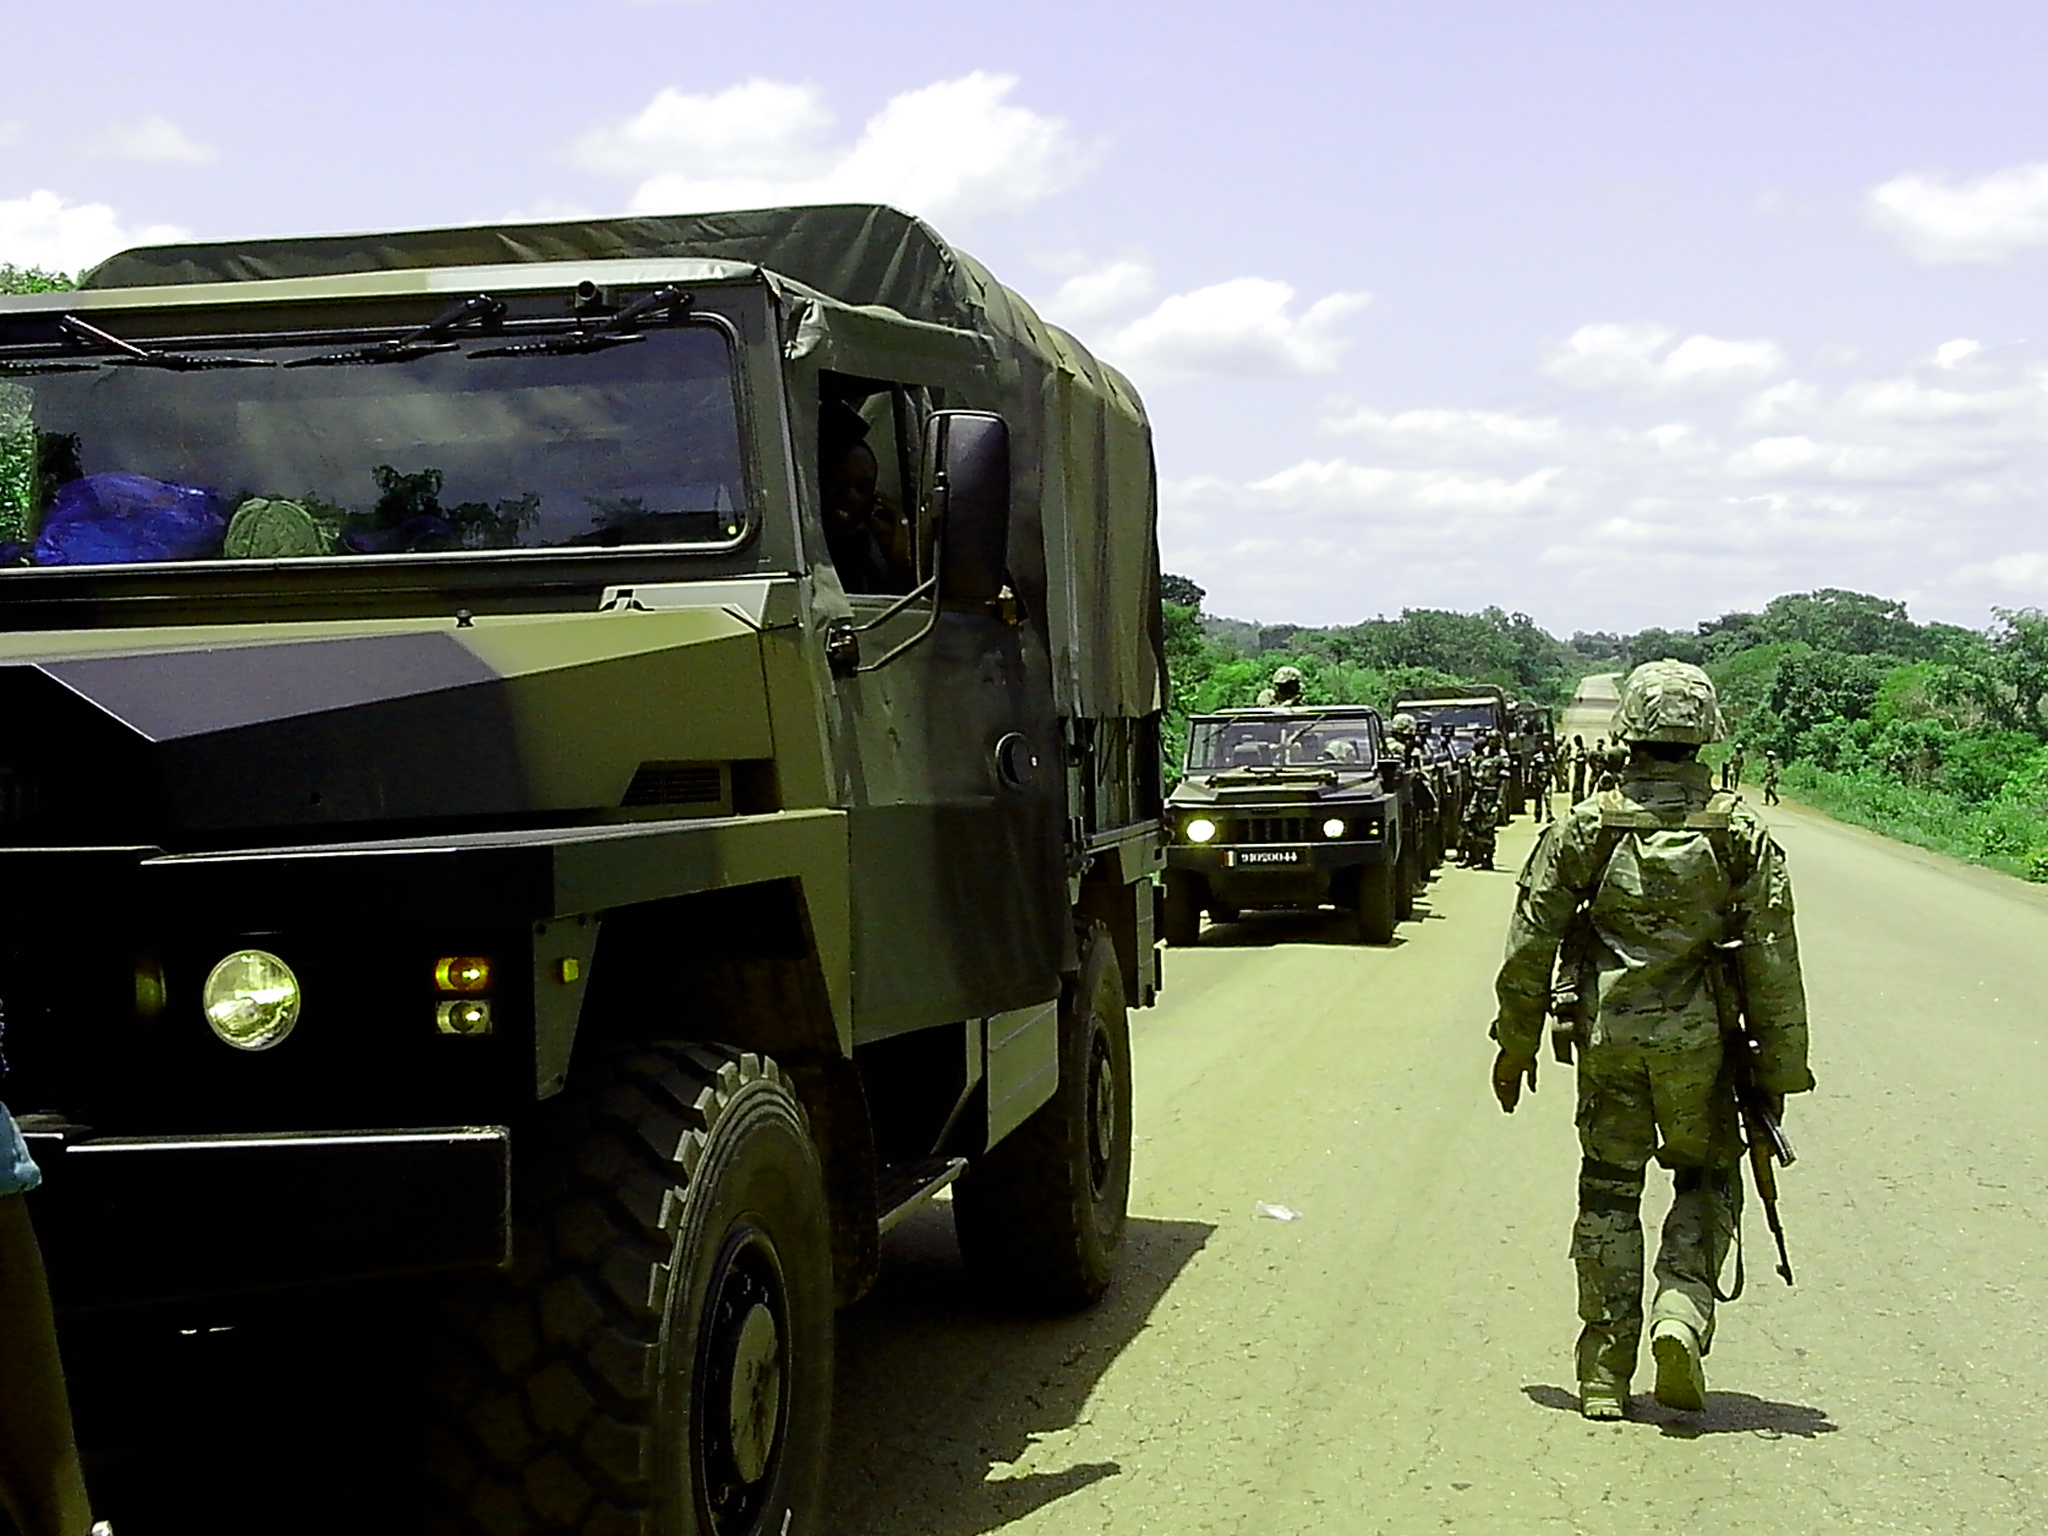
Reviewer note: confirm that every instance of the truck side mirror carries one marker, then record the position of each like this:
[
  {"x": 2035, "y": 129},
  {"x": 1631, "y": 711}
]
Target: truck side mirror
[{"x": 967, "y": 497}]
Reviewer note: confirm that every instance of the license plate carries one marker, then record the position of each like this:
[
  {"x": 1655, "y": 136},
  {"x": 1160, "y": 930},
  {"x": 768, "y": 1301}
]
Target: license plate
[{"x": 1265, "y": 856}]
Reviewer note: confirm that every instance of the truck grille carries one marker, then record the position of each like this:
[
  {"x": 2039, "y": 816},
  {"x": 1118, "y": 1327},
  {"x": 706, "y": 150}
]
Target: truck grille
[
  {"x": 20, "y": 797},
  {"x": 1270, "y": 829},
  {"x": 677, "y": 784}
]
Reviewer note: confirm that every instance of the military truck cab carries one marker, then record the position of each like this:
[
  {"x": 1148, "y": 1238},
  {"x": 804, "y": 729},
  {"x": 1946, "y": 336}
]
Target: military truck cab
[
  {"x": 1289, "y": 808},
  {"x": 605, "y": 761}
]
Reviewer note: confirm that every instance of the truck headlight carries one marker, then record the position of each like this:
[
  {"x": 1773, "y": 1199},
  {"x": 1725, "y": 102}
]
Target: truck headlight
[
  {"x": 469, "y": 1016},
  {"x": 1200, "y": 830},
  {"x": 251, "y": 999},
  {"x": 1334, "y": 827}
]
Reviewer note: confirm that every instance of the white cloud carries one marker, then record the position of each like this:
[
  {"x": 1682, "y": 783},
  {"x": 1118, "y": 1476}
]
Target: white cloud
[
  {"x": 1988, "y": 219},
  {"x": 1239, "y": 328},
  {"x": 153, "y": 140},
  {"x": 42, "y": 230},
  {"x": 1451, "y": 433},
  {"x": 2024, "y": 571},
  {"x": 1100, "y": 292},
  {"x": 758, "y": 130},
  {"x": 1922, "y": 483},
  {"x": 1640, "y": 357},
  {"x": 955, "y": 148},
  {"x": 1950, "y": 353},
  {"x": 1370, "y": 488}
]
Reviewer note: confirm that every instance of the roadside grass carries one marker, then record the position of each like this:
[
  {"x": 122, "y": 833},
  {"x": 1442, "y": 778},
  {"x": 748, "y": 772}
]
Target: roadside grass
[{"x": 2000, "y": 834}]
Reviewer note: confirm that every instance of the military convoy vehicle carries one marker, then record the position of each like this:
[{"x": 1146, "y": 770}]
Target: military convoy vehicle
[
  {"x": 1522, "y": 726},
  {"x": 605, "y": 761},
  {"x": 1293, "y": 808}
]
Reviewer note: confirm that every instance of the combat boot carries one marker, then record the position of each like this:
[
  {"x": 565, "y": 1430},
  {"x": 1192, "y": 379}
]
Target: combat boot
[
  {"x": 1604, "y": 1400},
  {"x": 1681, "y": 1379}
]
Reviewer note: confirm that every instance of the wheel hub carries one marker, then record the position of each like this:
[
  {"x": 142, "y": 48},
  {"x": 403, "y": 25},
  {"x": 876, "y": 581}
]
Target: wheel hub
[
  {"x": 741, "y": 1411},
  {"x": 756, "y": 1397},
  {"x": 1101, "y": 1112}
]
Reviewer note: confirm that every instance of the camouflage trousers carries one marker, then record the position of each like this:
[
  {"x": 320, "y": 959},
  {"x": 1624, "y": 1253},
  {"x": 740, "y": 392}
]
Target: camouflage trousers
[{"x": 1635, "y": 1103}]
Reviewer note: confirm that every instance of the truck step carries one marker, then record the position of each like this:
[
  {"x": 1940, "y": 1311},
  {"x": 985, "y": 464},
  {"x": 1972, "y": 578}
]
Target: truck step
[{"x": 904, "y": 1188}]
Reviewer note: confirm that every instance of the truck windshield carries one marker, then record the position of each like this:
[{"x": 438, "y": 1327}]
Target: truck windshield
[
  {"x": 1461, "y": 716},
  {"x": 1322, "y": 741},
  {"x": 112, "y": 464}
]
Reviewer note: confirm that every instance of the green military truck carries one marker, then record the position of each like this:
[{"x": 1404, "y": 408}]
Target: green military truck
[
  {"x": 603, "y": 761},
  {"x": 1290, "y": 808},
  {"x": 1460, "y": 722}
]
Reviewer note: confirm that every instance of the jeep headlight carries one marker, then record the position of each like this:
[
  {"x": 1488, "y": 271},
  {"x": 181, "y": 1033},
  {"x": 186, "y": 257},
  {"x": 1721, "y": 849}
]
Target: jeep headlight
[
  {"x": 251, "y": 999},
  {"x": 1200, "y": 830},
  {"x": 1334, "y": 827}
]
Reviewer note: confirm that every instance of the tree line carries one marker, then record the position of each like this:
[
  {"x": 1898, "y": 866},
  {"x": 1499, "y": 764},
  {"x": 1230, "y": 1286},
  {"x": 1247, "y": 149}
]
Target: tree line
[{"x": 1933, "y": 733}]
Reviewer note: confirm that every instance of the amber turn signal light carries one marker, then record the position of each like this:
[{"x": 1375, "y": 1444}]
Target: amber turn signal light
[{"x": 462, "y": 974}]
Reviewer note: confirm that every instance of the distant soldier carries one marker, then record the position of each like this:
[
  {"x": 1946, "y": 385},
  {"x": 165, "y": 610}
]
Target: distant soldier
[
  {"x": 1284, "y": 691},
  {"x": 1731, "y": 769},
  {"x": 1607, "y": 763},
  {"x": 1578, "y": 756},
  {"x": 1560, "y": 767},
  {"x": 1645, "y": 881},
  {"x": 1541, "y": 773},
  {"x": 1771, "y": 771},
  {"x": 1489, "y": 768}
]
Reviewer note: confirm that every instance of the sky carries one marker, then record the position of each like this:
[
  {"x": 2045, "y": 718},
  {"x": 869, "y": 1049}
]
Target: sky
[{"x": 1615, "y": 314}]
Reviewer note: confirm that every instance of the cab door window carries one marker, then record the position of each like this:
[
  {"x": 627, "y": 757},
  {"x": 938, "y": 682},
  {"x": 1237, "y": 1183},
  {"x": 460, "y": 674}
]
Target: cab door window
[{"x": 868, "y": 435}]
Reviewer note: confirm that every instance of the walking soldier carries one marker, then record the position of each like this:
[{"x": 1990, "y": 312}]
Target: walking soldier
[{"x": 1674, "y": 911}]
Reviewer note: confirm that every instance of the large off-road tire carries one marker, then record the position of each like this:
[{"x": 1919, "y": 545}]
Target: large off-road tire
[
  {"x": 1041, "y": 1217},
  {"x": 1374, "y": 907},
  {"x": 658, "y": 1362},
  {"x": 1406, "y": 882},
  {"x": 1182, "y": 919}
]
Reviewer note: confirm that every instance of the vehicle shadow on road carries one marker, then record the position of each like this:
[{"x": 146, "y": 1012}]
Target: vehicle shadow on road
[
  {"x": 1266, "y": 930},
  {"x": 1726, "y": 1413},
  {"x": 939, "y": 1394}
]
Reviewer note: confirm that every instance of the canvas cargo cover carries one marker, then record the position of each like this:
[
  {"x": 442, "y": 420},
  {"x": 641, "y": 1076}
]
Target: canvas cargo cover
[{"x": 1085, "y": 481}]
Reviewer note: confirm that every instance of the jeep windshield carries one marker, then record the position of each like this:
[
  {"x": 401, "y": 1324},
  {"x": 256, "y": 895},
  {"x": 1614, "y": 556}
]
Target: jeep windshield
[
  {"x": 105, "y": 462},
  {"x": 1326, "y": 742}
]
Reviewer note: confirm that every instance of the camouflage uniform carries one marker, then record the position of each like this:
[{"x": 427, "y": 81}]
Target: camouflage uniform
[
  {"x": 1488, "y": 768},
  {"x": 1658, "y": 865}
]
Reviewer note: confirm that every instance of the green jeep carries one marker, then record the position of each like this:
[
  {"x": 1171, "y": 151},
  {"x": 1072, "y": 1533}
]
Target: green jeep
[
  {"x": 605, "y": 762},
  {"x": 1290, "y": 808}
]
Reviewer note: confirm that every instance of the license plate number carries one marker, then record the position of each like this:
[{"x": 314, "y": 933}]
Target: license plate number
[{"x": 1265, "y": 856}]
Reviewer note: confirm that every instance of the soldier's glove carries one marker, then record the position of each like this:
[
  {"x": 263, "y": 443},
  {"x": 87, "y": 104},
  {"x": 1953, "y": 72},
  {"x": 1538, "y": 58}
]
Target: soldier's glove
[{"x": 1508, "y": 1072}]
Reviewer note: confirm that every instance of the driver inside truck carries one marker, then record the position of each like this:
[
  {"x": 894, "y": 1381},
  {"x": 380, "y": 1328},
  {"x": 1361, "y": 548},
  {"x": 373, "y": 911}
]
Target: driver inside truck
[{"x": 866, "y": 534}]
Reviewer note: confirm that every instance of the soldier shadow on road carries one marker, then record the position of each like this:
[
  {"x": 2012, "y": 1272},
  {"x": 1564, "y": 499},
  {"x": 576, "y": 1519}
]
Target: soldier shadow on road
[
  {"x": 1726, "y": 1413},
  {"x": 939, "y": 1394}
]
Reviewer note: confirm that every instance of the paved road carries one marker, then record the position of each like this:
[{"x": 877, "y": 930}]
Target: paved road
[{"x": 1397, "y": 1359}]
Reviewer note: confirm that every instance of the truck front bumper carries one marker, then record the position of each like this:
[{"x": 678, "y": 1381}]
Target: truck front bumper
[
  {"x": 125, "y": 1221},
  {"x": 1275, "y": 874}
]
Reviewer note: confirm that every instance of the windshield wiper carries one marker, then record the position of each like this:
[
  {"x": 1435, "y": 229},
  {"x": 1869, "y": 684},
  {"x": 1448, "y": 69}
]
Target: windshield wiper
[
  {"x": 619, "y": 331},
  {"x": 126, "y": 353},
  {"x": 424, "y": 342}
]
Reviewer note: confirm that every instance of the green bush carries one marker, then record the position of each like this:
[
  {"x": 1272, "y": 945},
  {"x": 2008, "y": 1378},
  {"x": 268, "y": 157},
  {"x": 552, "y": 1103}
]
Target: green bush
[{"x": 15, "y": 279}]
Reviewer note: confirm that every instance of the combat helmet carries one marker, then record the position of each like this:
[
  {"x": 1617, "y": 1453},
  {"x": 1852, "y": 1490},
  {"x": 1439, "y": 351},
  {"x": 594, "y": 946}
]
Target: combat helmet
[
  {"x": 1668, "y": 701},
  {"x": 1402, "y": 724},
  {"x": 1286, "y": 675}
]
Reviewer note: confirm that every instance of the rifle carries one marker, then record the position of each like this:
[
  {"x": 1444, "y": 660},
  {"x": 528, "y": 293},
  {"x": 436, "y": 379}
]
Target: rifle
[{"x": 1761, "y": 1131}]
